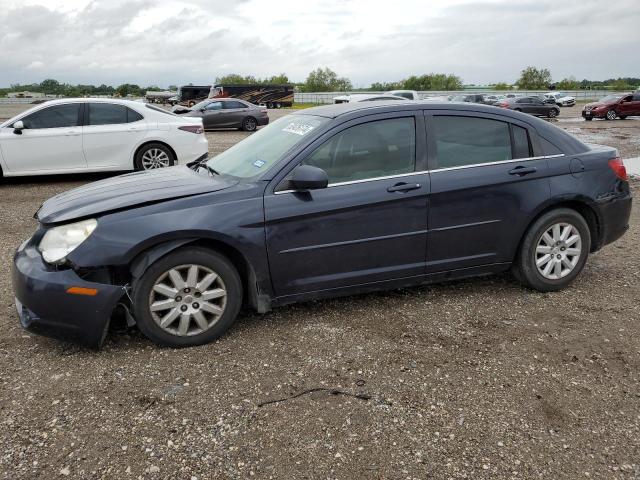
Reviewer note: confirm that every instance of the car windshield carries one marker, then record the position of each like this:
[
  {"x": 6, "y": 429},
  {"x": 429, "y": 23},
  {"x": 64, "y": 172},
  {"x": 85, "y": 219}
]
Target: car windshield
[
  {"x": 610, "y": 98},
  {"x": 201, "y": 105},
  {"x": 259, "y": 152}
]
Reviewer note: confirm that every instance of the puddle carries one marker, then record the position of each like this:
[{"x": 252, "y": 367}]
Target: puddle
[{"x": 633, "y": 166}]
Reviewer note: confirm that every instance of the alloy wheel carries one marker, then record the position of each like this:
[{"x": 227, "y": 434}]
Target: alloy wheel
[
  {"x": 558, "y": 251},
  {"x": 187, "y": 300},
  {"x": 250, "y": 124},
  {"x": 611, "y": 115},
  {"x": 155, "y": 158}
]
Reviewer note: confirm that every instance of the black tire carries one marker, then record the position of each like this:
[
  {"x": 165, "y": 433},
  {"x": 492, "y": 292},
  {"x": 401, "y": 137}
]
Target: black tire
[
  {"x": 140, "y": 163},
  {"x": 588, "y": 119},
  {"x": 553, "y": 113},
  {"x": 218, "y": 264},
  {"x": 249, "y": 124},
  {"x": 525, "y": 269},
  {"x": 622, "y": 117},
  {"x": 611, "y": 115}
]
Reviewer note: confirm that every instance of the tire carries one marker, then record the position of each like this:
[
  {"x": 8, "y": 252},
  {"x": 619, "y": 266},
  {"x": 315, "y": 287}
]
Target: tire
[
  {"x": 622, "y": 117},
  {"x": 553, "y": 113},
  {"x": 153, "y": 156},
  {"x": 525, "y": 268},
  {"x": 249, "y": 124},
  {"x": 611, "y": 115},
  {"x": 199, "y": 325},
  {"x": 588, "y": 119}
]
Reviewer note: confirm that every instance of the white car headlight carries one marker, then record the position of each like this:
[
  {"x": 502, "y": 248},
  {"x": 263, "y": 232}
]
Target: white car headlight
[{"x": 58, "y": 242}]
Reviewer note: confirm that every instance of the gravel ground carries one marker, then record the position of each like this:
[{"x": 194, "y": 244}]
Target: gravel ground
[{"x": 471, "y": 379}]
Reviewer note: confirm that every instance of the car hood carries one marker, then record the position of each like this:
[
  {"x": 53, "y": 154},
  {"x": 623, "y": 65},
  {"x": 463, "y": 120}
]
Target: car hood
[{"x": 129, "y": 190}]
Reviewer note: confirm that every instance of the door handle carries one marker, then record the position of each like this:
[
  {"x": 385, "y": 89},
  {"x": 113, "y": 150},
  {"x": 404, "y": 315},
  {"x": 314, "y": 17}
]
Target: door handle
[
  {"x": 523, "y": 171},
  {"x": 403, "y": 187}
]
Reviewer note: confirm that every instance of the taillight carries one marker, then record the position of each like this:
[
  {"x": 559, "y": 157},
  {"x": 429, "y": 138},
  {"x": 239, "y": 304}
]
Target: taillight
[
  {"x": 617, "y": 165},
  {"x": 263, "y": 111},
  {"x": 192, "y": 128},
  {"x": 503, "y": 105}
]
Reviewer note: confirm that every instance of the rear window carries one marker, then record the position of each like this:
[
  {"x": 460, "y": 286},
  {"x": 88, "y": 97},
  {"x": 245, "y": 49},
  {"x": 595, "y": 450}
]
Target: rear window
[
  {"x": 462, "y": 141},
  {"x": 521, "y": 143},
  {"x": 106, "y": 114}
]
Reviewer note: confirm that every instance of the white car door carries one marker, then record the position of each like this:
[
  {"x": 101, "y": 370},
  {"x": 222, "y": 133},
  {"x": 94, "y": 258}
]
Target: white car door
[
  {"x": 50, "y": 142},
  {"x": 110, "y": 133}
]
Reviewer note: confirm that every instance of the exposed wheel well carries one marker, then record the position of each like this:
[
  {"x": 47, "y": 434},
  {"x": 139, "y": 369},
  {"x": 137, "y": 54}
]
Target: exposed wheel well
[
  {"x": 583, "y": 209},
  {"x": 251, "y": 295},
  {"x": 135, "y": 154}
]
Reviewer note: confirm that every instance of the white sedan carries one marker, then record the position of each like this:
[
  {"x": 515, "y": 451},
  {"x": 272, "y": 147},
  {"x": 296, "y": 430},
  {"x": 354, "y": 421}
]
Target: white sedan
[{"x": 95, "y": 135}]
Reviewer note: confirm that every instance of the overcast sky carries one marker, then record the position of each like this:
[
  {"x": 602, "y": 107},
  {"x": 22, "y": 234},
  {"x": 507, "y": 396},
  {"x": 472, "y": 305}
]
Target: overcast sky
[{"x": 162, "y": 42}]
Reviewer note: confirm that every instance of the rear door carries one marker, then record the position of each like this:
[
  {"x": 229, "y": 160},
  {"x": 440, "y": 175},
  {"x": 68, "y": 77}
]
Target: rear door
[
  {"x": 369, "y": 225},
  {"x": 524, "y": 104},
  {"x": 110, "y": 134},
  {"x": 51, "y": 141},
  {"x": 485, "y": 183},
  {"x": 232, "y": 114}
]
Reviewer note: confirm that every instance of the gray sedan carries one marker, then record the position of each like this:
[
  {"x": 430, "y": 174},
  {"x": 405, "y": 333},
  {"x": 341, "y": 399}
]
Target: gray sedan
[{"x": 226, "y": 113}]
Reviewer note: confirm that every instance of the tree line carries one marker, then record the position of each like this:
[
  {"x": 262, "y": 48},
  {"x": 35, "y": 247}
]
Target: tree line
[{"x": 326, "y": 80}]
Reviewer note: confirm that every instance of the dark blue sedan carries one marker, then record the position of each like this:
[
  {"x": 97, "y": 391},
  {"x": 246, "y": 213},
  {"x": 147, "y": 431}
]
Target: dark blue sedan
[{"x": 329, "y": 201}]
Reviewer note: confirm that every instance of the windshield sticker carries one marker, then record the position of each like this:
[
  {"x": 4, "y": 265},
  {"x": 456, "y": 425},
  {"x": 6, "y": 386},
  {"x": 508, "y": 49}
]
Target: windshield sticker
[
  {"x": 259, "y": 163},
  {"x": 298, "y": 128}
]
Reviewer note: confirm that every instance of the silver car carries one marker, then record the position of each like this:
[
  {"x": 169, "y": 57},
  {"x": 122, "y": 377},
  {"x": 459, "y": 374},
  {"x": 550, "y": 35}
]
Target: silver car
[{"x": 226, "y": 113}]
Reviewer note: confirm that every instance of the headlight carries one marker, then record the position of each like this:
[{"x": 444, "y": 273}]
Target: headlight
[{"x": 58, "y": 242}]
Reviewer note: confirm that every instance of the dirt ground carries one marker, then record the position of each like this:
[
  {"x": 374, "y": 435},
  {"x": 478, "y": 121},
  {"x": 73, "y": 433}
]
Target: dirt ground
[{"x": 477, "y": 379}]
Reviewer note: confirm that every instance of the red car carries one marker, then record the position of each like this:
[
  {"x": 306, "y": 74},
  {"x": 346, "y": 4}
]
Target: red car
[{"x": 613, "y": 106}]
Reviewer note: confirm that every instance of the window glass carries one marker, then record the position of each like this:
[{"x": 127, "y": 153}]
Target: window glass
[
  {"x": 470, "y": 140},
  {"x": 233, "y": 104},
  {"x": 549, "y": 148},
  {"x": 133, "y": 116},
  {"x": 214, "y": 106},
  {"x": 370, "y": 150},
  {"x": 57, "y": 116},
  {"x": 106, "y": 114},
  {"x": 521, "y": 145}
]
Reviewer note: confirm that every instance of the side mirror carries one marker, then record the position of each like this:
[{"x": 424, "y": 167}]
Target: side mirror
[
  {"x": 308, "y": 177},
  {"x": 18, "y": 127}
]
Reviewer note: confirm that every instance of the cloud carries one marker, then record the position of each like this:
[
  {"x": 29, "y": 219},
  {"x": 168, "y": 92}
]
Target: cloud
[{"x": 180, "y": 41}]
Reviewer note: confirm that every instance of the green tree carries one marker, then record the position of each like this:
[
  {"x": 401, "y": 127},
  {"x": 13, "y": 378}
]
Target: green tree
[
  {"x": 532, "y": 78},
  {"x": 172, "y": 88},
  {"x": 50, "y": 86},
  {"x": 326, "y": 80},
  {"x": 278, "y": 79},
  {"x": 501, "y": 86},
  {"x": 620, "y": 85},
  {"x": 569, "y": 83}
]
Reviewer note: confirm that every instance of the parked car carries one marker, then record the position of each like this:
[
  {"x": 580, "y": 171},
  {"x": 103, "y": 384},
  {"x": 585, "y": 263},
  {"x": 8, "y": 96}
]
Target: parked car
[
  {"x": 470, "y": 98},
  {"x": 493, "y": 99},
  {"x": 328, "y": 201},
  {"x": 365, "y": 97},
  {"x": 531, "y": 105},
  {"x": 408, "y": 94},
  {"x": 561, "y": 99},
  {"x": 96, "y": 135},
  {"x": 613, "y": 106},
  {"x": 226, "y": 113}
]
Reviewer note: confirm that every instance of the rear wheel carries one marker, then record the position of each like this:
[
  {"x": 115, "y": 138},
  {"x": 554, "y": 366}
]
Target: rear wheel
[
  {"x": 188, "y": 297},
  {"x": 553, "y": 113},
  {"x": 553, "y": 251},
  {"x": 153, "y": 156},
  {"x": 249, "y": 124},
  {"x": 611, "y": 115}
]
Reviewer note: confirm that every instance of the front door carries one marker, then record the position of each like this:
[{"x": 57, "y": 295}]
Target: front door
[
  {"x": 485, "y": 184},
  {"x": 51, "y": 141},
  {"x": 369, "y": 225},
  {"x": 211, "y": 115}
]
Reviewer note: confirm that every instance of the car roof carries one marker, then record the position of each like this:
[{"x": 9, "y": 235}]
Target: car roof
[{"x": 55, "y": 101}]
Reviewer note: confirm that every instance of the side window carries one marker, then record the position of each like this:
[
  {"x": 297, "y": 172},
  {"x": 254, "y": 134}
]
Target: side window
[
  {"x": 369, "y": 150},
  {"x": 521, "y": 144},
  {"x": 549, "y": 148},
  {"x": 57, "y": 116},
  {"x": 464, "y": 141},
  {"x": 214, "y": 106},
  {"x": 233, "y": 104},
  {"x": 106, "y": 114},
  {"x": 133, "y": 116}
]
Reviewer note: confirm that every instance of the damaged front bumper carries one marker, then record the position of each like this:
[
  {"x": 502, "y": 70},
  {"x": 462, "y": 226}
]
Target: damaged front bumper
[{"x": 47, "y": 306}]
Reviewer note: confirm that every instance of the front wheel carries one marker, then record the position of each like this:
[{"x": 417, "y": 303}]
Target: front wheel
[
  {"x": 188, "y": 297},
  {"x": 611, "y": 115},
  {"x": 553, "y": 251},
  {"x": 249, "y": 124},
  {"x": 588, "y": 119},
  {"x": 153, "y": 156}
]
